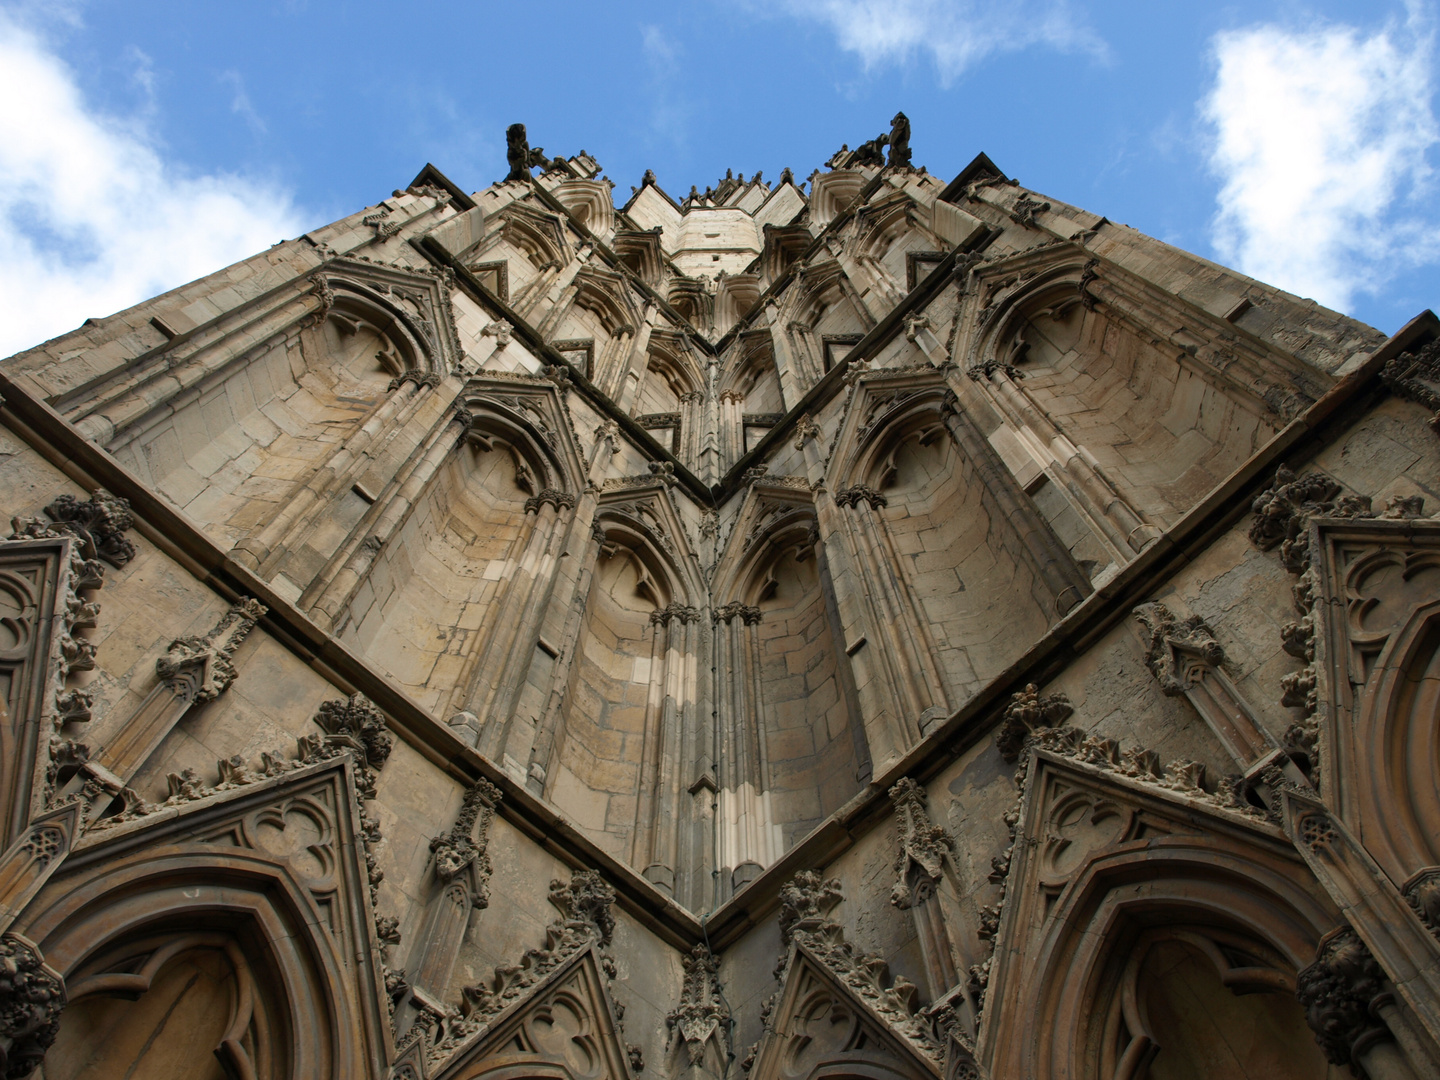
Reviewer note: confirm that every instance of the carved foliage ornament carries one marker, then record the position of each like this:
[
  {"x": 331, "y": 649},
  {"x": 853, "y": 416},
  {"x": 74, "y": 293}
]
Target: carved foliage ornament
[
  {"x": 701, "y": 1015},
  {"x": 1029, "y": 711},
  {"x": 1339, "y": 992},
  {"x": 923, "y": 846},
  {"x": 99, "y": 523},
  {"x": 31, "y": 998}
]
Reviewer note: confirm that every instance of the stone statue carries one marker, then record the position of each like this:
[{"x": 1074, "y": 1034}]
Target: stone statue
[
  {"x": 900, "y": 142},
  {"x": 520, "y": 155}
]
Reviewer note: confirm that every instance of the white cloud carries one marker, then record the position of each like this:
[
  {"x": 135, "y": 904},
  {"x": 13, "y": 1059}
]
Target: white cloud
[
  {"x": 93, "y": 218},
  {"x": 240, "y": 103},
  {"x": 957, "y": 34},
  {"x": 1320, "y": 139}
]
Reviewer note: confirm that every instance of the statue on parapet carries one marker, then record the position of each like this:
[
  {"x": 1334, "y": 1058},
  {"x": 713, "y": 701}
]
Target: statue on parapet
[
  {"x": 521, "y": 156},
  {"x": 900, "y": 142}
]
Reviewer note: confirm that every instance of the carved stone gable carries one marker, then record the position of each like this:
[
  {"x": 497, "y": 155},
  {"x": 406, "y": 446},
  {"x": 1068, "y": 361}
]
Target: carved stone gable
[
  {"x": 821, "y": 1025},
  {"x": 308, "y": 822},
  {"x": 567, "y": 1025},
  {"x": 1374, "y": 593},
  {"x": 1110, "y": 860}
]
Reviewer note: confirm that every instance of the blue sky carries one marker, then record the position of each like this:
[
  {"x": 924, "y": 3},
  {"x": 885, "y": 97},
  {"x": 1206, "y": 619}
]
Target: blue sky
[{"x": 143, "y": 144}]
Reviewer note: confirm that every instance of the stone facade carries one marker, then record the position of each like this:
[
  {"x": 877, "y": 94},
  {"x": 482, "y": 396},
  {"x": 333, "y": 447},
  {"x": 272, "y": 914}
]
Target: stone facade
[{"x": 875, "y": 627}]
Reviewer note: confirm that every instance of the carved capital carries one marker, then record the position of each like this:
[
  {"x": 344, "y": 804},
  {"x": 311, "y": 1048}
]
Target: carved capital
[
  {"x": 199, "y": 669},
  {"x": 1339, "y": 992},
  {"x": 727, "y": 612},
  {"x": 683, "y": 612},
  {"x": 32, "y": 995},
  {"x": 555, "y": 498},
  {"x": 854, "y": 496}
]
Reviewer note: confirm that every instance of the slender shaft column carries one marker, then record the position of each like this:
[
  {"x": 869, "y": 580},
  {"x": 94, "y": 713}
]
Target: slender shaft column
[
  {"x": 1048, "y": 558},
  {"x": 335, "y": 596},
  {"x": 1122, "y": 524},
  {"x": 472, "y": 691},
  {"x": 255, "y": 550}
]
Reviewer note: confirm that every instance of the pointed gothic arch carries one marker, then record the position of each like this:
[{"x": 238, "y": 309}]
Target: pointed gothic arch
[
  {"x": 1109, "y": 872},
  {"x": 212, "y": 900}
]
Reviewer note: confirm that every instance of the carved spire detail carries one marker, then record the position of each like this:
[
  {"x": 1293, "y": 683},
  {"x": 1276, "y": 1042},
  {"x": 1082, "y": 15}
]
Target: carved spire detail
[
  {"x": 461, "y": 848},
  {"x": 1174, "y": 643},
  {"x": 199, "y": 669},
  {"x": 923, "y": 846},
  {"x": 701, "y": 1015}
]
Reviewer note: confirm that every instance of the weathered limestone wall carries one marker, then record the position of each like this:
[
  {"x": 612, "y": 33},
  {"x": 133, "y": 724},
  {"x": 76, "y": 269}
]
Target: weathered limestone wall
[{"x": 660, "y": 599}]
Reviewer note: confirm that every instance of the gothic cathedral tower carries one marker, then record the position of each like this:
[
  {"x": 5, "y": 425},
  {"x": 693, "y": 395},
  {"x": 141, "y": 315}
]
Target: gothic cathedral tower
[{"x": 869, "y": 627}]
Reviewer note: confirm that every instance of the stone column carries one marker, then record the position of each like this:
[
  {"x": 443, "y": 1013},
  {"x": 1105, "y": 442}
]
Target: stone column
[
  {"x": 509, "y": 665},
  {"x": 334, "y": 597},
  {"x": 744, "y": 818},
  {"x": 917, "y": 695},
  {"x": 255, "y": 549},
  {"x": 657, "y": 811},
  {"x": 1048, "y": 558},
  {"x": 480, "y": 678},
  {"x": 1123, "y": 527}
]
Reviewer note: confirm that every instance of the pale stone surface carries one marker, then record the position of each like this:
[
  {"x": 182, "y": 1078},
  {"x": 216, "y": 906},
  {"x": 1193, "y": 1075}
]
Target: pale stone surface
[{"x": 702, "y": 659}]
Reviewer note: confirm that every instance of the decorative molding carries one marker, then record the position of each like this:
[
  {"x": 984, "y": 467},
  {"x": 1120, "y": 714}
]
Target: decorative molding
[{"x": 1416, "y": 377}]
